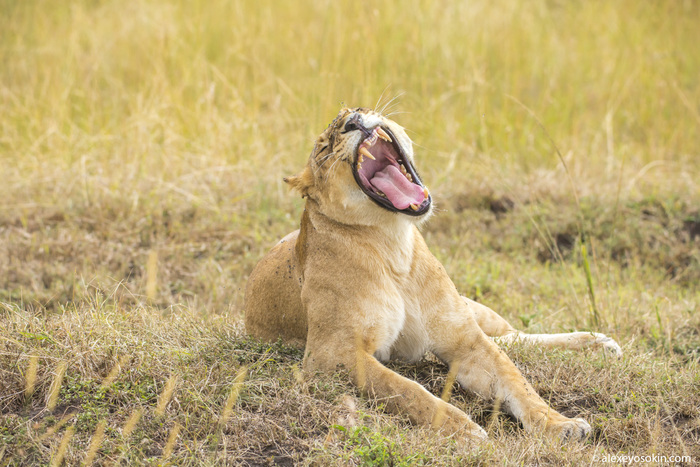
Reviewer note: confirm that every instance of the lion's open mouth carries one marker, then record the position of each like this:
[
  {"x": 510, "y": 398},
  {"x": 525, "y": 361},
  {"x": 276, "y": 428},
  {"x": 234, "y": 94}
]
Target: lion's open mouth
[{"x": 387, "y": 176}]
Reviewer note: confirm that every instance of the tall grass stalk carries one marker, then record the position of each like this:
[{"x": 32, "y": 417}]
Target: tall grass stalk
[
  {"x": 57, "y": 459},
  {"x": 55, "y": 388},
  {"x": 235, "y": 391},
  {"x": 166, "y": 395},
  {"x": 172, "y": 439},
  {"x": 95, "y": 442},
  {"x": 589, "y": 283},
  {"x": 131, "y": 423},
  {"x": 30, "y": 377}
]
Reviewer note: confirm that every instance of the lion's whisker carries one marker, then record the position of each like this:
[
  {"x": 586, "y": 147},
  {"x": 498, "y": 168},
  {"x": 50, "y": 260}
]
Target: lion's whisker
[
  {"x": 392, "y": 100},
  {"x": 398, "y": 112},
  {"x": 330, "y": 169},
  {"x": 388, "y": 108},
  {"x": 381, "y": 96},
  {"x": 324, "y": 159}
]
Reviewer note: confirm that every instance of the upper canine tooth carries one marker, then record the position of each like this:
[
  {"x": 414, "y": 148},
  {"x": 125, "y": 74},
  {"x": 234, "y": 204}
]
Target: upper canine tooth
[
  {"x": 414, "y": 207},
  {"x": 366, "y": 153},
  {"x": 383, "y": 135},
  {"x": 426, "y": 193}
]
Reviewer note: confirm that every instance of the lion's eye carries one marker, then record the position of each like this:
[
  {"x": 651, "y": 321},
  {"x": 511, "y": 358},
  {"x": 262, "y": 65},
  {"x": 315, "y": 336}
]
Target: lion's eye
[{"x": 350, "y": 126}]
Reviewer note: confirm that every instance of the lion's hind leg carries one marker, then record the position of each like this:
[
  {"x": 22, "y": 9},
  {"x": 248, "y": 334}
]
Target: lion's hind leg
[
  {"x": 498, "y": 328},
  {"x": 566, "y": 340},
  {"x": 482, "y": 367}
]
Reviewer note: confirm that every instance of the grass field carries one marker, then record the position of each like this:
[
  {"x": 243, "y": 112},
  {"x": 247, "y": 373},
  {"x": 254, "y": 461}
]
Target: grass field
[{"x": 142, "y": 150}]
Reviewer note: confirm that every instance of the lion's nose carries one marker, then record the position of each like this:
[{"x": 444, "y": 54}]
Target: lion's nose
[{"x": 355, "y": 123}]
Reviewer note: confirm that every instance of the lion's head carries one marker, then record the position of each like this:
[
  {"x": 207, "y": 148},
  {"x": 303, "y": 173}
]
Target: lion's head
[{"x": 361, "y": 169}]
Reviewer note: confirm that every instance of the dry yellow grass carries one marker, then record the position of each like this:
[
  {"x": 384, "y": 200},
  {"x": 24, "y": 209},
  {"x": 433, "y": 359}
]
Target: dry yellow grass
[{"x": 142, "y": 150}]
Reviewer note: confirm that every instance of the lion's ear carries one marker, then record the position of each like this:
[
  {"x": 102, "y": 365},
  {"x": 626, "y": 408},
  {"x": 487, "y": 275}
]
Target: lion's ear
[{"x": 302, "y": 182}]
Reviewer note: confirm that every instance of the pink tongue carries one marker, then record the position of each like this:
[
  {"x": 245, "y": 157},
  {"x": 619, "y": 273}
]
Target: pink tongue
[{"x": 397, "y": 188}]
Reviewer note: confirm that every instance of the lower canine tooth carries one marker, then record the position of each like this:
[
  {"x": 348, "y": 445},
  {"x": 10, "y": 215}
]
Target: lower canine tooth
[
  {"x": 366, "y": 153},
  {"x": 426, "y": 193},
  {"x": 383, "y": 135},
  {"x": 414, "y": 207}
]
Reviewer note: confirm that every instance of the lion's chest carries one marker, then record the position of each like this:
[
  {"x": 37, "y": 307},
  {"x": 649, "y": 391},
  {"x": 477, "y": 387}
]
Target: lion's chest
[
  {"x": 385, "y": 320},
  {"x": 402, "y": 332},
  {"x": 398, "y": 303}
]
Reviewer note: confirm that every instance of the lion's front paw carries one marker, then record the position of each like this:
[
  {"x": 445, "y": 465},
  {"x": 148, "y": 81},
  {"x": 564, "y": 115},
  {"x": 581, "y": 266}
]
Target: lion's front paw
[
  {"x": 570, "y": 429},
  {"x": 476, "y": 433},
  {"x": 608, "y": 344},
  {"x": 453, "y": 422}
]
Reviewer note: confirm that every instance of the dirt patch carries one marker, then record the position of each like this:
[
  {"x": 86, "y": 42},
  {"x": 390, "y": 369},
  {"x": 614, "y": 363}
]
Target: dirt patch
[
  {"x": 692, "y": 226},
  {"x": 663, "y": 234},
  {"x": 285, "y": 456}
]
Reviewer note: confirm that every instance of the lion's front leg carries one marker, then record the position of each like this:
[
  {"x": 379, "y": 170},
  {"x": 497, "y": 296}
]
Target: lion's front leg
[
  {"x": 334, "y": 345},
  {"x": 485, "y": 369},
  {"x": 401, "y": 395}
]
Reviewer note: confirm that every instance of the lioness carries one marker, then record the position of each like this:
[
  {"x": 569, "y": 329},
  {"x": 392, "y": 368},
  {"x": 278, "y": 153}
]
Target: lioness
[{"x": 358, "y": 285}]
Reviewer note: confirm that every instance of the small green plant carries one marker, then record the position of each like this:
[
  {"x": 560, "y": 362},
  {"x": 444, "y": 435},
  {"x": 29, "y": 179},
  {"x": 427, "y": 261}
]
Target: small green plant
[{"x": 373, "y": 449}]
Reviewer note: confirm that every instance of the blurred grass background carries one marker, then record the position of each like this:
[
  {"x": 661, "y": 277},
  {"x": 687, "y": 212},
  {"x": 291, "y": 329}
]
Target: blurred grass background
[
  {"x": 155, "y": 90},
  {"x": 143, "y": 145}
]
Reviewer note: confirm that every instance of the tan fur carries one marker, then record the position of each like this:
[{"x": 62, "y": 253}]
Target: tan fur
[{"x": 357, "y": 285}]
